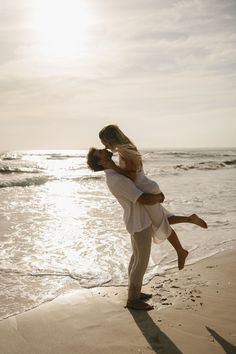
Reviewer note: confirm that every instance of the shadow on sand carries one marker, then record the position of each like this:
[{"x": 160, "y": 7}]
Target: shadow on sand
[
  {"x": 158, "y": 340},
  {"x": 228, "y": 347},
  {"x": 161, "y": 343}
]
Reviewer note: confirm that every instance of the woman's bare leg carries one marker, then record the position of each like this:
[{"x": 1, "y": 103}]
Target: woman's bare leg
[
  {"x": 173, "y": 238},
  {"x": 181, "y": 252},
  {"x": 192, "y": 219}
]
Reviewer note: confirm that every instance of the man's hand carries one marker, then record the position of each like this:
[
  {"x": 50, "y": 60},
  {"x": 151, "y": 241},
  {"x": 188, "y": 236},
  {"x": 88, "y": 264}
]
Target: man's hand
[{"x": 151, "y": 199}]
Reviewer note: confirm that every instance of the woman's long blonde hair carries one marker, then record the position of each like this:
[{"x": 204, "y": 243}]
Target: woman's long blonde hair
[{"x": 122, "y": 144}]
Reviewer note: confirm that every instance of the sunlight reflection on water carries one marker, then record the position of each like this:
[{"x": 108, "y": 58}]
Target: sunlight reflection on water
[{"x": 68, "y": 232}]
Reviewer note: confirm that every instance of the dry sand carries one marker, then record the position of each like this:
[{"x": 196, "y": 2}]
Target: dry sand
[{"x": 194, "y": 312}]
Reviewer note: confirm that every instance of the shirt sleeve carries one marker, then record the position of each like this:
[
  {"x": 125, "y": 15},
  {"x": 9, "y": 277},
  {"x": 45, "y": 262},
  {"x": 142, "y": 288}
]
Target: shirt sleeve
[{"x": 125, "y": 188}]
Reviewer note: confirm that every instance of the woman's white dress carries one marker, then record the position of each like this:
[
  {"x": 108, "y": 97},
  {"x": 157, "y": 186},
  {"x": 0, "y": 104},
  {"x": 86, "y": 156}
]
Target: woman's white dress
[{"x": 158, "y": 214}]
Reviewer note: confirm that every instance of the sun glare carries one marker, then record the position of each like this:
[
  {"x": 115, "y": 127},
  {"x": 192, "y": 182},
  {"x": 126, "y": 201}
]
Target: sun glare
[{"x": 62, "y": 27}]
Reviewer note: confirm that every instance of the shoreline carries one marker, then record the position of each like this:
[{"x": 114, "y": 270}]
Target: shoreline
[
  {"x": 102, "y": 288},
  {"x": 194, "y": 311}
]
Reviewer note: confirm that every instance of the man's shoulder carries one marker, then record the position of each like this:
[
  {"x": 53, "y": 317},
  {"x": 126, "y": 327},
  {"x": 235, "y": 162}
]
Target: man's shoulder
[
  {"x": 117, "y": 182},
  {"x": 115, "y": 177},
  {"x": 122, "y": 187}
]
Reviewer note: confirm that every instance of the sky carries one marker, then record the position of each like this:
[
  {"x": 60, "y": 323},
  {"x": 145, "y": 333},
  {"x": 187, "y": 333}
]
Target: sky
[{"x": 164, "y": 71}]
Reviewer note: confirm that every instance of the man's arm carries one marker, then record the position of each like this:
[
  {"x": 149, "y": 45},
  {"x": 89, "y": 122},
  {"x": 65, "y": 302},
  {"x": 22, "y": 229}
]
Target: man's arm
[
  {"x": 122, "y": 186},
  {"x": 151, "y": 199}
]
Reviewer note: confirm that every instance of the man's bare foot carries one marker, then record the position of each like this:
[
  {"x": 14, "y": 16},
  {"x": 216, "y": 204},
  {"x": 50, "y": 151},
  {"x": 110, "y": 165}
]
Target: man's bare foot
[
  {"x": 144, "y": 296},
  {"x": 194, "y": 219},
  {"x": 138, "y": 305},
  {"x": 181, "y": 259}
]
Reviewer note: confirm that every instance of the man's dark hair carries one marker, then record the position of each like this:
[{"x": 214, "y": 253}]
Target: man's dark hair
[{"x": 93, "y": 161}]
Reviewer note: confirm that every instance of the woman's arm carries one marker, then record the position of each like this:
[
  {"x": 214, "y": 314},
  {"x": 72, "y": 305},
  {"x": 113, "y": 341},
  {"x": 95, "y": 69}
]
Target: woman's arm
[
  {"x": 130, "y": 167},
  {"x": 128, "y": 173},
  {"x": 125, "y": 172},
  {"x": 129, "y": 170}
]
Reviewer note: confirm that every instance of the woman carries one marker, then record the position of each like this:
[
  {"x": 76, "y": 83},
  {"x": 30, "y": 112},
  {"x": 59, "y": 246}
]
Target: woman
[{"x": 131, "y": 166}]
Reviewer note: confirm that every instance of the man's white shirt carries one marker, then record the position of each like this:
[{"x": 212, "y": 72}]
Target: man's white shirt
[{"x": 135, "y": 216}]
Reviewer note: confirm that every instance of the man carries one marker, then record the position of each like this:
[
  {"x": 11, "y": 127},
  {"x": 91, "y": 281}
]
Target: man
[{"x": 137, "y": 221}]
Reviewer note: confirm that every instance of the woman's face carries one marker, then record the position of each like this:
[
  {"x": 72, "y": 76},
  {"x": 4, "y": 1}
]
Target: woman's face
[{"x": 107, "y": 145}]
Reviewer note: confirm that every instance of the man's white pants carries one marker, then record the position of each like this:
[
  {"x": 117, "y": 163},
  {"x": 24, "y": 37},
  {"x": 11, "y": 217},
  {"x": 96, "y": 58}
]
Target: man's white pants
[{"x": 141, "y": 246}]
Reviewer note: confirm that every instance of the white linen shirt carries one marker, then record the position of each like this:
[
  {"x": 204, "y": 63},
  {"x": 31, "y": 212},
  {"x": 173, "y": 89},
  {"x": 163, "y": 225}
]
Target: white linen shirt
[{"x": 135, "y": 215}]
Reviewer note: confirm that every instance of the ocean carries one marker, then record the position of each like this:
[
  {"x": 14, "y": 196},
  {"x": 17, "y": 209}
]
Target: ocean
[{"x": 62, "y": 230}]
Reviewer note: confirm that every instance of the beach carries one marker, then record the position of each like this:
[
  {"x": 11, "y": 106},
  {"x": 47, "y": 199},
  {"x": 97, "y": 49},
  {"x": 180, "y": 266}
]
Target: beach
[
  {"x": 152, "y": 85},
  {"x": 65, "y": 251},
  {"x": 62, "y": 230},
  {"x": 194, "y": 312}
]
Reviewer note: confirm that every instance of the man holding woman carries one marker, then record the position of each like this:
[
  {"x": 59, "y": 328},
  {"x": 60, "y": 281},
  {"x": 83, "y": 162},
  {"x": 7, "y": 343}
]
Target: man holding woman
[{"x": 144, "y": 216}]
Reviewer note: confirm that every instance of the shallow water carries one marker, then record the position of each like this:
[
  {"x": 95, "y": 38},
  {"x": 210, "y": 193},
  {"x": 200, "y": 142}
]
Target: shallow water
[{"x": 61, "y": 229}]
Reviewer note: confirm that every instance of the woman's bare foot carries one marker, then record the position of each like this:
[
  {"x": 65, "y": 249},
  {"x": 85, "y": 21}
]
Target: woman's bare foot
[
  {"x": 181, "y": 259},
  {"x": 194, "y": 219},
  {"x": 138, "y": 305}
]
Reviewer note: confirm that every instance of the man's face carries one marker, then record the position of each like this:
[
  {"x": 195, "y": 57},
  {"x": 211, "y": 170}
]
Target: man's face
[{"x": 103, "y": 154}]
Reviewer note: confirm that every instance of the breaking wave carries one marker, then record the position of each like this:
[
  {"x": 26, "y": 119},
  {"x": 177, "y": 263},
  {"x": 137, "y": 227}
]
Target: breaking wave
[
  {"x": 230, "y": 162},
  {"x": 8, "y": 170},
  {"x": 210, "y": 165},
  {"x": 24, "y": 182}
]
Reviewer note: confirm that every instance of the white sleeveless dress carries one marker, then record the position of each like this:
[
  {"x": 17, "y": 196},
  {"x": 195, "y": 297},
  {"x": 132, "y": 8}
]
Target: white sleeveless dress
[{"x": 158, "y": 214}]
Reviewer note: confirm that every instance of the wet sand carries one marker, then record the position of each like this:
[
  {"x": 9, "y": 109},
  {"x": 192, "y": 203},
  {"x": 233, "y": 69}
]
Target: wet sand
[{"x": 194, "y": 312}]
